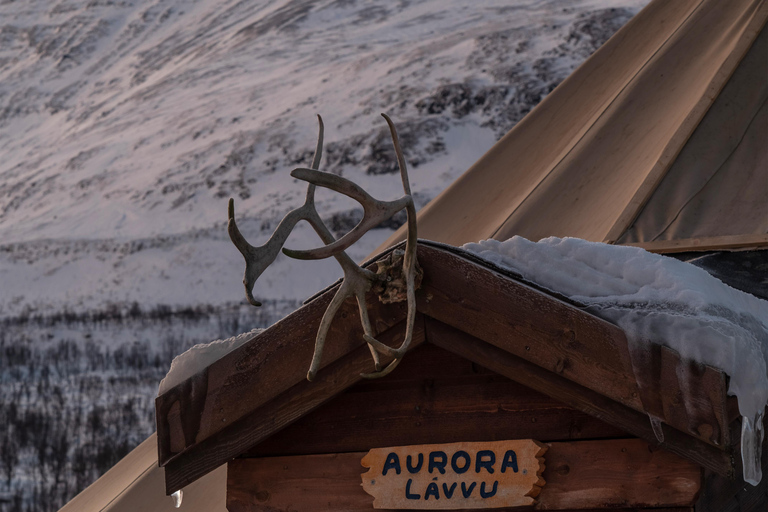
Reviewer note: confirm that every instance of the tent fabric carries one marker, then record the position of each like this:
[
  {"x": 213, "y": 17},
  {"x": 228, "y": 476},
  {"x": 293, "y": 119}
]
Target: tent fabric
[
  {"x": 718, "y": 177},
  {"x": 137, "y": 483},
  {"x": 587, "y": 160}
]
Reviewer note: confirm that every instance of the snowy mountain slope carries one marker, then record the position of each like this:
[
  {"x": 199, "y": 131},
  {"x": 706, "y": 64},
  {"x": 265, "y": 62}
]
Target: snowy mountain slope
[{"x": 126, "y": 124}]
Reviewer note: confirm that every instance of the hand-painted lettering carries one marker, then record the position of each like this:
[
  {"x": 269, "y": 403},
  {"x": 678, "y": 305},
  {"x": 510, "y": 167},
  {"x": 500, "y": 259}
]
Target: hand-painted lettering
[
  {"x": 510, "y": 461},
  {"x": 485, "y": 459},
  {"x": 408, "y": 494},
  {"x": 489, "y": 474},
  {"x": 461, "y": 454},
  {"x": 432, "y": 491},
  {"x": 409, "y": 465},
  {"x": 484, "y": 494},
  {"x": 440, "y": 464},
  {"x": 467, "y": 492},
  {"x": 448, "y": 491},
  {"x": 392, "y": 462}
]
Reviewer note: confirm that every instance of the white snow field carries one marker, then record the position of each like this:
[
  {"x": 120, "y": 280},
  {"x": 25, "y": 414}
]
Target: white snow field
[
  {"x": 656, "y": 299},
  {"x": 126, "y": 125}
]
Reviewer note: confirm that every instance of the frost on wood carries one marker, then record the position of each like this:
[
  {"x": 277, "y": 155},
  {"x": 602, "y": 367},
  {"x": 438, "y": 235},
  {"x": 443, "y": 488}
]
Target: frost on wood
[
  {"x": 656, "y": 299},
  {"x": 201, "y": 356}
]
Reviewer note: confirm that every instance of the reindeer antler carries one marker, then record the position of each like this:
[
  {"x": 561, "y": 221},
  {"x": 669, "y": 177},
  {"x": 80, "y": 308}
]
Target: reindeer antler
[{"x": 357, "y": 281}]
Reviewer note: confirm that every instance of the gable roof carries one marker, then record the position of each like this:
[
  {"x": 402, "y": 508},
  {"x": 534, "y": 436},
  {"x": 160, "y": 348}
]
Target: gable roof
[
  {"x": 469, "y": 307},
  {"x": 657, "y": 140}
]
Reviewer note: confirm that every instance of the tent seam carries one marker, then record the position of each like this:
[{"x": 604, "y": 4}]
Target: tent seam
[
  {"x": 149, "y": 468},
  {"x": 720, "y": 167},
  {"x": 630, "y": 81}
]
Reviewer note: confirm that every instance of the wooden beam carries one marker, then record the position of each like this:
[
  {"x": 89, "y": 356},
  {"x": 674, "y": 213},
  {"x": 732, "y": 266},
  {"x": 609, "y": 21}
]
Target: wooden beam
[
  {"x": 278, "y": 413},
  {"x": 433, "y": 397},
  {"x": 576, "y": 396},
  {"x": 256, "y": 372},
  {"x": 578, "y": 475},
  {"x": 523, "y": 321},
  {"x": 693, "y": 398},
  {"x": 563, "y": 339},
  {"x": 734, "y": 495},
  {"x": 715, "y": 243}
]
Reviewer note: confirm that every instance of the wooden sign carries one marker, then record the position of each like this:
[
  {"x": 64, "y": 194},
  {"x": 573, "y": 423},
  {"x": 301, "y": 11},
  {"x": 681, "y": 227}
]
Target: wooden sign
[{"x": 455, "y": 476}]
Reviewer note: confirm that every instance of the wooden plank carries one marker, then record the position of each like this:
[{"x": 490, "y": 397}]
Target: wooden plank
[
  {"x": 576, "y": 396},
  {"x": 734, "y": 495},
  {"x": 527, "y": 323},
  {"x": 433, "y": 397},
  {"x": 694, "y": 395},
  {"x": 585, "y": 474},
  {"x": 564, "y": 340},
  {"x": 716, "y": 243},
  {"x": 580, "y": 474},
  {"x": 455, "y": 476},
  {"x": 278, "y": 413},
  {"x": 272, "y": 363}
]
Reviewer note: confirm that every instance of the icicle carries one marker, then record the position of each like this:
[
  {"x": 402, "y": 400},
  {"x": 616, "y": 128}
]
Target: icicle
[
  {"x": 177, "y": 497},
  {"x": 656, "y": 424},
  {"x": 751, "y": 448}
]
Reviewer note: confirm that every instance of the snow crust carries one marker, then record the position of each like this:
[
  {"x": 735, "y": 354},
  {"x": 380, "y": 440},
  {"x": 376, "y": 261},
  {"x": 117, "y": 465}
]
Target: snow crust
[
  {"x": 201, "y": 356},
  {"x": 657, "y": 299},
  {"x": 125, "y": 127}
]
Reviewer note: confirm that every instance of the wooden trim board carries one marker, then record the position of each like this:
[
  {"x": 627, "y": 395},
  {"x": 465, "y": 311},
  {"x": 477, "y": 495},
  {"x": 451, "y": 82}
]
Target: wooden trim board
[
  {"x": 578, "y": 397},
  {"x": 578, "y": 475}
]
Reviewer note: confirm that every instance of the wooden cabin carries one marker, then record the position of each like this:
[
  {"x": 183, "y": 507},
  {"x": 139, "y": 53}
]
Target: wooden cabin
[
  {"x": 494, "y": 359},
  {"x": 657, "y": 141}
]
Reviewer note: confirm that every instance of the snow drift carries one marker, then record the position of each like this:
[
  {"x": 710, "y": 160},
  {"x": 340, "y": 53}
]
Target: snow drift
[{"x": 656, "y": 299}]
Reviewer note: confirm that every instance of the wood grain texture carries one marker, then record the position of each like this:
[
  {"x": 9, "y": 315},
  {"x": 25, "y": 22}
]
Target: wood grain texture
[
  {"x": 584, "y": 399},
  {"x": 455, "y": 476},
  {"x": 528, "y": 323},
  {"x": 721, "y": 494},
  {"x": 693, "y": 395},
  {"x": 580, "y": 474},
  {"x": 434, "y": 397},
  {"x": 256, "y": 372},
  {"x": 280, "y": 412},
  {"x": 239, "y": 394}
]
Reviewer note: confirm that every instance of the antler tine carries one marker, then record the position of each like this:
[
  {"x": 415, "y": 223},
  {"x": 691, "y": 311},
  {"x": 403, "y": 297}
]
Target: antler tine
[
  {"x": 409, "y": 267},
  {"x": 375, "y": 212},
  {"x": 238, "y": 239},
  {"x": 316, "y": 159},
  {"x": 325, "y": 324},
  {"x": 383, "y": 373},
  {"x": 247, "y": 250},
  {"x": 399, "y": 154},
  {"x": 257, "y": 259}
]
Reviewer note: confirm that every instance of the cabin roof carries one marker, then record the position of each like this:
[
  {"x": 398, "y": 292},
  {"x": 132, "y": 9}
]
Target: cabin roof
[{"x": 467, "y": 306}]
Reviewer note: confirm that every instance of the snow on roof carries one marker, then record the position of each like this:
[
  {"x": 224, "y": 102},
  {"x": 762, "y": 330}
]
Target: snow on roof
[
  {"x": 201, "y": 356},
  {"x": 656, "y": 299}
]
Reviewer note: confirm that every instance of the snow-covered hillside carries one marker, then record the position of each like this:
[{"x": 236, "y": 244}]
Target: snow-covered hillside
[{"x": 126, "y": 124}]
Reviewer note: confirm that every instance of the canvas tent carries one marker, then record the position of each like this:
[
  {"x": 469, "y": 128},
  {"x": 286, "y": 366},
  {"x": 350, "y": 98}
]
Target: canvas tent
[{"x": 660, "y": 139}]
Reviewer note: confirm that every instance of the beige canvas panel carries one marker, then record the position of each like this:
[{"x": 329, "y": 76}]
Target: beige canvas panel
[
  {"x": 481, "y": 200},
  {"x": 718, "y": 186},
  {"x": 588, "y": 157},
  {"x": 640, "y": 133},
  {"x": 137, "y": 483}
]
